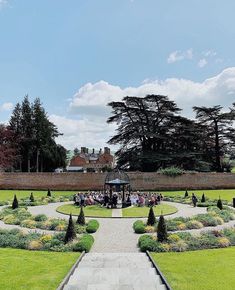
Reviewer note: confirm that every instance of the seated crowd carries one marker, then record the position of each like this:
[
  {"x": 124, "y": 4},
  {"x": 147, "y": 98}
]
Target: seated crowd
[{"x": 103, "y": 198}]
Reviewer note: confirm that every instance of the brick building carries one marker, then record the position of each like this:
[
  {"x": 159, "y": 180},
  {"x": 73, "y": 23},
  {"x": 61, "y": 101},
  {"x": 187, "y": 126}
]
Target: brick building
[{"x": 91, "y": 161}]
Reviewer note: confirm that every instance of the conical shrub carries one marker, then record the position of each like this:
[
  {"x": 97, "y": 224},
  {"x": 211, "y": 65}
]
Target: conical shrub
[
  {"x": 220, "y": 204},
  {"x": 151, "y": 217},
  {"x": 49, "y": 193},
  {"x": 203, "y": 198},
  {"x": 81, "y": 218},
  {"x": 186, "y": 194},
  {"x": 31, "y": 198},
  {"x": 161, "y": 229},
  {"x": 70, "y": 232},
  {"x": 15, "y": 203}
]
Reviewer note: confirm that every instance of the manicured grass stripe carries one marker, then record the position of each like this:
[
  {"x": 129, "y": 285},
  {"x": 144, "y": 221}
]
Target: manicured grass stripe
[
  {"x": 89, "y": 211},
  {"x": 206, "y": 269},
  {"x": 21, "y": 269},
  {"x": 144, "y": 211}
]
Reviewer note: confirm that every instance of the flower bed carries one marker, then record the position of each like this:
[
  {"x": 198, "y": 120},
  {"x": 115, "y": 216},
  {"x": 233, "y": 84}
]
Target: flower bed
[
  {"x": 38, "y": 242},
  {"x": 213, "y": 217},
  {"x": 184, "y": 241},
  {"x": 24, "y": 218}
]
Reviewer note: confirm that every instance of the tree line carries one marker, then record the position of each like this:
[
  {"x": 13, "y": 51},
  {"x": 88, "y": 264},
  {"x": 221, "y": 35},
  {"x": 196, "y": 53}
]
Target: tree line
[
  {"x": 153, "y": 134},
  {"x": 28, "y": 143}
]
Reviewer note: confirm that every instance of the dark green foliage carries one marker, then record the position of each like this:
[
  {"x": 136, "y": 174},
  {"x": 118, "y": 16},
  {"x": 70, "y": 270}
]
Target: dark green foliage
[
  {"x": 161, "y": 229},
  {"x": 203, "y": 198},
  {"x": 139, "y": 227},
  {"x": 40, "y": 218},
  {"x": 186, "y": 194},
  {"x": 81, "y": 217},
  {"x": 92, "y": 226},
  {"x": 31, "y": 198},
  {"x": 84, "y": 244},
  {"x": 70, "y": 233},
  {"x": 220, "y": 204},
  {"x": 15, "y": 203},
  {"x": 49, "y": 193},
  {"x": 146, "y": 243},
  {"x": 151, "y": 217}
]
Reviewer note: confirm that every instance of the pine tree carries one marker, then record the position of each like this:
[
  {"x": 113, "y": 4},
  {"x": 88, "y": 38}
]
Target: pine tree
[
  {"x": 220, "y": 204},
  {"x": 81, "y": 218},
  {"x": 15, "y": 203},
  {"x": 161, "y": 229},
  {"x": 31, "y": 197},
  {"x": 70, "y": 232},
  {"x": 186, "y": 194},
  {"x": 49, "y": 193},
  {"x": 203, "y": 198},
  {"x": 151, "y": 217}
]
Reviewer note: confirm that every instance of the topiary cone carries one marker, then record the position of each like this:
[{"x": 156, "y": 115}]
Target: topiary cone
[
  {"x": 49, "y": 193},
  {"x": 15, "y": 203},
  {"x": 203, "y": 198},
  {"x": 70, "y": 232},
  {"x": 81, "y": 218},
  {"x": 220, "y": 204},
  {"x": 31, "y": 197},
  {"x": 161, "y": 229},
  {"x": 151, "y": 217}
]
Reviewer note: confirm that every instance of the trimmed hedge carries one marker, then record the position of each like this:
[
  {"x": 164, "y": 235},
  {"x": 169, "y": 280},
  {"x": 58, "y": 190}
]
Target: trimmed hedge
[
  {"x": 139, "y": 227},
  {"x": 84, "y": 244},
  {"x": 92, "y": 226}
]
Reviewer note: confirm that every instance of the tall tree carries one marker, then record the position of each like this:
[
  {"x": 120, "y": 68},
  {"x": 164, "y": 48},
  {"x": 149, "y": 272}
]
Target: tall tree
[{"x": 218, "y": 128}]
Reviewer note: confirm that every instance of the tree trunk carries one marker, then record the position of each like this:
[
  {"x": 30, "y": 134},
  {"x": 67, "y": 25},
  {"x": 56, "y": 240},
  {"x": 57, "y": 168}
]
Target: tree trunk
[
  {"x": 37, "y": 160},
  {"x": 217, "y": 149},
  {"x": 28, "y": 164}
]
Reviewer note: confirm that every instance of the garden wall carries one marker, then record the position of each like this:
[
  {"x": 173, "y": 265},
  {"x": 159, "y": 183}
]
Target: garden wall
[{"x": 93, "y": 181}]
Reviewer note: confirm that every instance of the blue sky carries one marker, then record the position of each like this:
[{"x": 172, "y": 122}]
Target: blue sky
[{"x": 78, "y": 54}]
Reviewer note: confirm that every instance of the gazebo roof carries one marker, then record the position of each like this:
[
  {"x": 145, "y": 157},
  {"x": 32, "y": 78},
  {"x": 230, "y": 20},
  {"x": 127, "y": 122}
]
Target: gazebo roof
[{"x": 117, "y": 177}]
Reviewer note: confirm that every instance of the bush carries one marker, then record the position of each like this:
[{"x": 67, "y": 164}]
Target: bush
[
  {"x": 220, "y": 204},
  {"x": 206, "y": 219},
  {"x": 139, "y": 227},
  {"x": 179, "y": 246},
  {"x": 193, "y": 224},
  {"x": 81, "y": 217},
  {"x": 203, "y": 198},
  {"x": 172, "y": 171},
  {"x": 161, "y": 229},
  {"x": 46, "y": 238},
  {"x": 70, "y": 233},
  {"x": 31, "y": 198},
  {"x": 28, "y": 224},
  {"x": 173, "y": 238},
  {"x": 186, "y": 194},
  {"x": 92, "y": 226},
  {"x": 84, "y": 244},
  {"x": 223, "y": 242},
  {"x": 35, "y": 245},
  {"x": 181, "y": 227},
  {"x": 11, "y": 220},
  {"x": 40, "y": 218},
  {"x": 15, "y": 203},
  {"x": 149, "y": 229},
  {"x": 151, "y": 217}
]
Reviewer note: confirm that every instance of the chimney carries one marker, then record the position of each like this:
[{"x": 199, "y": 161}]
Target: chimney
[
  {"x": 100, "y": 152},
  {"x": 106, "y": 150},
  {"x": 93, "y": 151},
  {"x": 83, "y": 150}
]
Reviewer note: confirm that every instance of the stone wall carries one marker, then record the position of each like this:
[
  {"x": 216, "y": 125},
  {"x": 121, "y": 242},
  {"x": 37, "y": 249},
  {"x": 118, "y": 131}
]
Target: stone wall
[{"x": 93, "y": 181}]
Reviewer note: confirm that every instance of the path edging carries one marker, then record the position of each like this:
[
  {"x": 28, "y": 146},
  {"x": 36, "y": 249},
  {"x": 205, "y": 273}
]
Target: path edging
[
  {"x": 70, "y": 273},
  {"x": 164, "y": 281}
]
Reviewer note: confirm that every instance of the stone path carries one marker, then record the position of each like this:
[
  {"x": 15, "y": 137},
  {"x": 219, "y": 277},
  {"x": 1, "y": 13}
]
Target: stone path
[
  {"x": 129, "y": 271},
  {"x": 117, "y": 213}
]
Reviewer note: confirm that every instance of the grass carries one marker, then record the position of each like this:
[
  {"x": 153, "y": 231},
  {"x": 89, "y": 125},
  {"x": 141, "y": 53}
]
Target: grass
[
  {"x": 7, "y": 195},
  {"x": 205, "y": 269},
  {"x": 22, "y": 269},
  {"x": 89, "y": 211},
  {"x": 144, "y": 211},
  {"x": 225, "y": 194}
]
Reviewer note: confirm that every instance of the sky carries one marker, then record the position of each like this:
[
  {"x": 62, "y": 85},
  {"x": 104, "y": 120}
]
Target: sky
[{"x": 78, "y": 55}]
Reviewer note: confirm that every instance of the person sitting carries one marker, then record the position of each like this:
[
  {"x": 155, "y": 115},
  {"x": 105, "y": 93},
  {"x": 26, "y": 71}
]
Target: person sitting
[{"x": 141, "y": 201}]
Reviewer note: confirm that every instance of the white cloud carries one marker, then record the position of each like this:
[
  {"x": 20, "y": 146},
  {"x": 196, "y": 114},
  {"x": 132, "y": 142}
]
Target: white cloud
[
  {"x": 6, "y": 107},
  {"x": 202, "y": 62},
  {"x": 3, "y": 3},
  {"x": 180, "y": 55},
  {"x": 209, "y": 53},
  {"x": 89, "y": 104}
]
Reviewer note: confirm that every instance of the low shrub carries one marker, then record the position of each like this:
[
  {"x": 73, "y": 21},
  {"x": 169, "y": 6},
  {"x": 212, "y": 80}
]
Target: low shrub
[
  {"x": 46, "y": 238},
  {"x": 172, "y": 171},
  {"x": 92, "y": 226},
  {"x": 180, "y": 246},
  {"x": 139, "y": 227},
  {"x": 173, "y": 238},
  {"x": 11, "y": 219},
  {"x": 35, "y": 245},
  {"x": 181, "y": 227},
  {"x": 223, "y": 242},
  {"x": 84, "y": 244},
  {"x": 194, "y": 224},
  {"x": 40, "y": 218},
  {"x": 149, "y": 229},
  {"x": 28, "y": 224}
]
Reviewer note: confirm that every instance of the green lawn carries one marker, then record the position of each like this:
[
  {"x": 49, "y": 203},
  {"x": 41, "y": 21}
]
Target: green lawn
[
  {"x": 6, "y": 195},
  {"x": 89, "y": 211},
  {"x": 144, "y": 211},
  {"x": 206, "y": 269},
  {"x": 225, "y": 194},
  {"x": 26, "y": 270}
]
